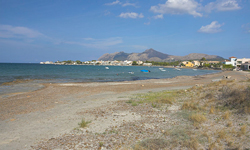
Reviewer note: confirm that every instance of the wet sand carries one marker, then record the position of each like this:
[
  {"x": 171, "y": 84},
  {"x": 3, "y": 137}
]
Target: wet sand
[{"x": 27, "y": 116}]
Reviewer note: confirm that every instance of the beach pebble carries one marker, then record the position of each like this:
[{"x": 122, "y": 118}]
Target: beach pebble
[{"x": 122, "y": 114}]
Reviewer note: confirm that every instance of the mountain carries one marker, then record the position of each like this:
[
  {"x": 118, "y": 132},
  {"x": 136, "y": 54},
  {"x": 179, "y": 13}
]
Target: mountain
[{"x": 153, "y": 55}]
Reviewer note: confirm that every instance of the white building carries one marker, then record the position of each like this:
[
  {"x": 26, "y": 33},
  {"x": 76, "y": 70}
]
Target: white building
[
  {"x": 241, "y": 61},
  {"x": 147, "y": 64},
  {"x": 232, "y": 61},
  {"x": 196, "y": 63}
]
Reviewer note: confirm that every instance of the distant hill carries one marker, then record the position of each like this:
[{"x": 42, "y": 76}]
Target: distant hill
[{"x": 153, "y": 55}]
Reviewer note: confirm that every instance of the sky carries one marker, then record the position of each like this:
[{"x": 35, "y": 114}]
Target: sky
[{"x": 32, "y": 31}]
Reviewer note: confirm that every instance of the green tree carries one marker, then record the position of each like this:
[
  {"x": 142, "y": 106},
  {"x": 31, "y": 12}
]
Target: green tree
[
  {"x": 68, "y": 61},
  {"x": 134, "y": 63},
  {"x": 78, "y": 62},
  {"x": 203, "y": 59},
  {"x": 228, "y": 66},
  {"x": 207, "y": 65}
]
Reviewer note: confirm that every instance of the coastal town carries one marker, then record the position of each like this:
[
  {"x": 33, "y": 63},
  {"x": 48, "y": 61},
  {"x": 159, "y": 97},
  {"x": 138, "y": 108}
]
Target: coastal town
[{"x": 232, "y": 63}]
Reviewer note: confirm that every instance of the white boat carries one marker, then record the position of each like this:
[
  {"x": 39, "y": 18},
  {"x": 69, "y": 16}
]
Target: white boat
[
  {"x": 163, "y": 70},
  {"x": 195, "y": 69},
  {"x": 106, "y": 67},
  {"x": 131, "y": 72},
  {"x": 177, "y": 69},
  {"x": 160, "y": 68}
]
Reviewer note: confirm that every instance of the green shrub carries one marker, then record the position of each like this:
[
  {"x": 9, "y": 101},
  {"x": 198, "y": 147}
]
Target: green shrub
[{"x": 84, "y": 123}]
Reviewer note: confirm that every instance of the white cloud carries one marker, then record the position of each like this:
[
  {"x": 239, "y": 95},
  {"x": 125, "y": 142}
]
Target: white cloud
[
  {"x": 222, "y": 5},
  {"x": 117, "y": 2},
  {"x": 158, "y": 16},
  {"x": 113, "y": 3},
  {"x": 214, "y": 27},
  {"x": 178, "y": 7},
  {"x": 88, "y": 39},
  {"x": 128, "y": 4},
  {"x": 8, "y": 31},
  {"x": 131, "y": 15},
  {"x": 246, "y": 27}
]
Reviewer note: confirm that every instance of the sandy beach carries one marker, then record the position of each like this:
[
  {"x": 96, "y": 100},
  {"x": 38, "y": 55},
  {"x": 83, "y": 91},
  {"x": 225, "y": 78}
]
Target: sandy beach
[{"x": 55, "y": 109}]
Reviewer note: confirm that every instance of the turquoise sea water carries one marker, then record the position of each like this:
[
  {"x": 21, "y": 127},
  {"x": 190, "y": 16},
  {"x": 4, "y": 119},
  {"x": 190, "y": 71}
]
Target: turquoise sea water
[{"x": 83, "y": 73}]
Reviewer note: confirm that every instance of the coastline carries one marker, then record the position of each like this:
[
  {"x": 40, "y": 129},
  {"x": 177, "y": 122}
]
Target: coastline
[{"x": 54, "y": 109}]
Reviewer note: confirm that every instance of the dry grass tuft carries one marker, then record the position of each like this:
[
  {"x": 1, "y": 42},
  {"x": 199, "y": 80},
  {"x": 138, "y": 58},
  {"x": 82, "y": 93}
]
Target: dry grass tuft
[
  {"x": 222, "y": 134},
  {"x": 197, "y": 118},
  {"x": 190, "y": 106},
  {"x": 151, "y": 144},
  {"x": 193, "y": 144},
  {"x": 212, "y": 146},
  {"x": 230, "y": 142},
  {"x": 212, "y": 110},
  {"x": 226, "y": 115},
  {"x": 209, "y": 96},
  {"x": 229, "y": 124},
  {"x": 243, "y": 130},
  {"x": 236, "y": 97},
  {"x": 207, "y": 136}
]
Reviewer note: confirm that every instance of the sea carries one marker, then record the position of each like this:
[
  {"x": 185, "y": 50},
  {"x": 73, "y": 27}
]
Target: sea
[{"x": 88, "y": 73}]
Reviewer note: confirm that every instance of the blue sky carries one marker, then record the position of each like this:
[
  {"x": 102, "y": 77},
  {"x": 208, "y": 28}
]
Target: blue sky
[{"x": 41, "y": 30}]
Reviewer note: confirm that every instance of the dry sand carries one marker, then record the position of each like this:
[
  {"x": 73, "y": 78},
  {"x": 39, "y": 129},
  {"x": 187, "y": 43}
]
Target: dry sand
[{"x": 56, "y": 109}]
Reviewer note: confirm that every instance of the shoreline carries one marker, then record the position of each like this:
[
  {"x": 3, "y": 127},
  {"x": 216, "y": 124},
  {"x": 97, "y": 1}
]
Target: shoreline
[
  {"x": 15, "y": 87},
  {"x": 28, "y": 117}
]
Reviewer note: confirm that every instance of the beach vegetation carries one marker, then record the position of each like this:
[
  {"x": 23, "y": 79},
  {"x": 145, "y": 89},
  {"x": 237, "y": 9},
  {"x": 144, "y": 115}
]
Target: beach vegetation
[
  {"x": 222, "y": 134},
  {"x": 197, "y": 118},
  {"x": 243, "y": 130},
  {"x": 166, "y": 97},
  {"x": 190, "y": 106},
  {"x": 228, "y": 66},
  {"x": 211, "y": 117},
  {"x": 226, "y": 115},
  {"x": 101, "y": 144},
  {"x": 150, "y": 144},
  {"x": 129, "y": 101},
  {"x": 212, "y": 110},
  {"x": 183, "y": 114},
  {"x": 236, "y": 98},
  {"x": 134, "y": 103},
  {"x": 84, "y": 123}
]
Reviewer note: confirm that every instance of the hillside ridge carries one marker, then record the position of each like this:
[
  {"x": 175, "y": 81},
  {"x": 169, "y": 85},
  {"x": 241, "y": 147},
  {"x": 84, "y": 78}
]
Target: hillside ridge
[{"x": 153, "y": 55}]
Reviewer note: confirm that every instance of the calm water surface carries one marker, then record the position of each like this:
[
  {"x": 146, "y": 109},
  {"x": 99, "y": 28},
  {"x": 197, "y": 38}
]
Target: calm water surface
[{"x": 83, "y": 73}]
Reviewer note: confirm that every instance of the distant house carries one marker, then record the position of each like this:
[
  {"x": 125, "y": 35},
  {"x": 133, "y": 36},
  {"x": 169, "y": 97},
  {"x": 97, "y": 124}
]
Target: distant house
[
  {"x": 188, "y": 64},
  {"x": 127, "y": 63},
  {"x": 47, "y": 62},
  {"x": 245, "y": 66},
  {"x": 232, "y": 61},
  {"x": 196, "y": 63},
  {"x": 139, "y": 62},
  {"x": 147, "y": 64},
  {"x": 241, "y": 61}
]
